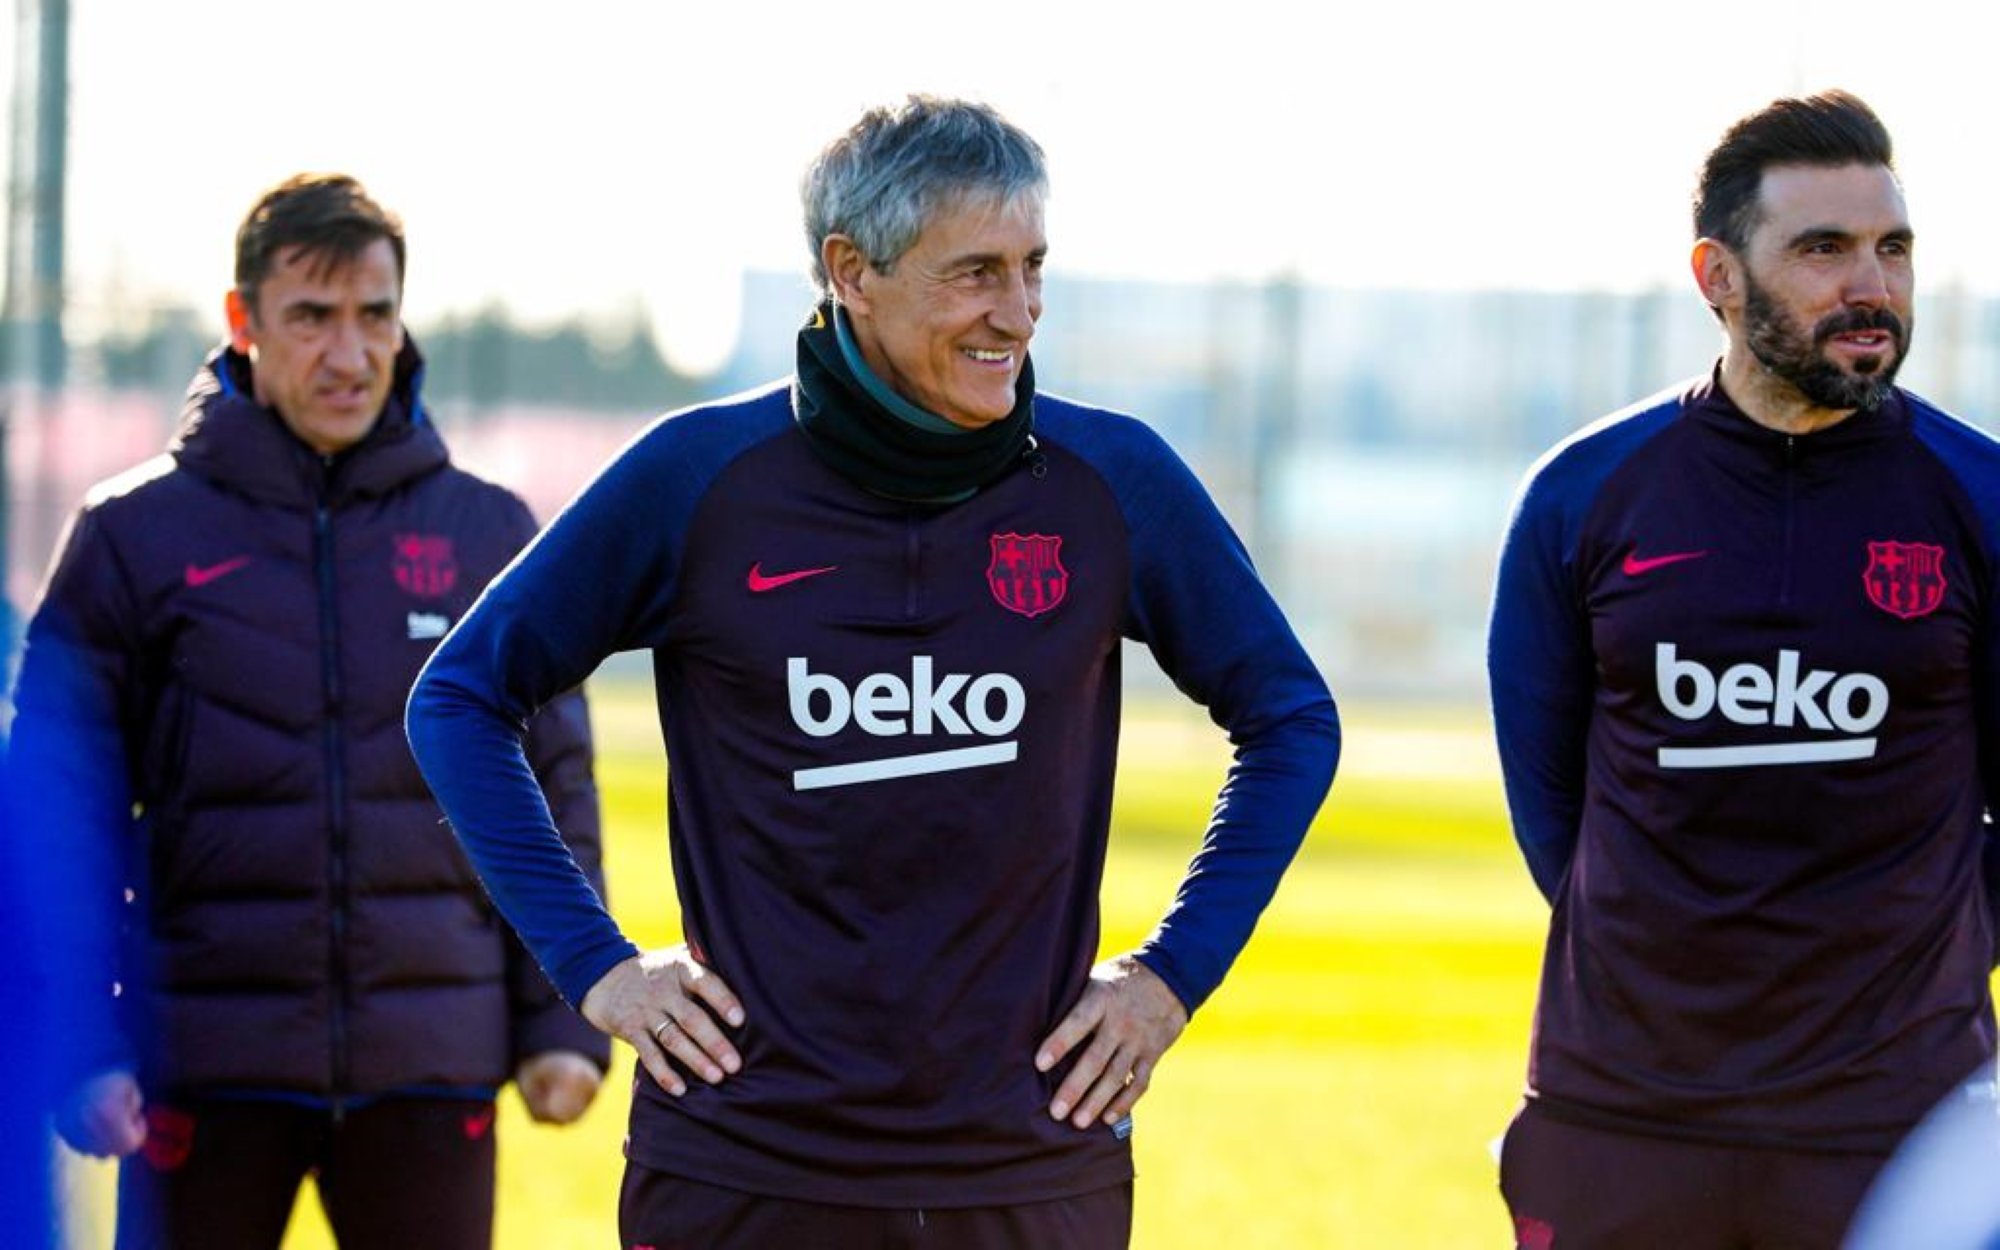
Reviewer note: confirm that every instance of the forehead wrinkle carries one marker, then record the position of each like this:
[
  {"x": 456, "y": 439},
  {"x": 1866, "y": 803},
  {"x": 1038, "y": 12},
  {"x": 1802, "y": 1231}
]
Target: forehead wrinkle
[{"x": 975, "y": 253}]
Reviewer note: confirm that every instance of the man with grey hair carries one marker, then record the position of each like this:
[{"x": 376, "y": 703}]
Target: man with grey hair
[{"x": 885, "y": 600}]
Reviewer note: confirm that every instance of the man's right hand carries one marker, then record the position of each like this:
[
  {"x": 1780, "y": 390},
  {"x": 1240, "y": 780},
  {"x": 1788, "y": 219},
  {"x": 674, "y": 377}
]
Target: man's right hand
[
  {"x": 105, "y": 1117},
  {"x": 665, "y": 1003}
]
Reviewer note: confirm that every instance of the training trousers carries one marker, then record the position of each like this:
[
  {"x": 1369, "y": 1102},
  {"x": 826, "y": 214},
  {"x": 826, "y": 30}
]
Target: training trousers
[
  {"x": 397, "y": 1174},
  {"x": 1569, "y": 1187},
  {"x": 661, "y": 1212}
]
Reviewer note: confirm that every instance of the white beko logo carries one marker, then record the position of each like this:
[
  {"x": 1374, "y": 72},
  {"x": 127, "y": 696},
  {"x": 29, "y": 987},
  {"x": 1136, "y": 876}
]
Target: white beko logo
[
  {"x": 1749, "y": 694},
  {"x": 426, "y": 625},
  {"x": 883, "y": 705}
]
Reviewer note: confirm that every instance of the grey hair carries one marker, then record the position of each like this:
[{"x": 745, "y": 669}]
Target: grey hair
[{"x": 896, "y": 168}]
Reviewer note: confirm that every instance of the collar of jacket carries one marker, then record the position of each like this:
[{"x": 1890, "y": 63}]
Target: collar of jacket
[
  {"x": 225, "y": 435},
  {"x": 885, "y": 454}
]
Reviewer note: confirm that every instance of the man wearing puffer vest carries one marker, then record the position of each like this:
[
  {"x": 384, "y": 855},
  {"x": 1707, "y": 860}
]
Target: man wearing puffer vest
[{"x": 294, "y": 970}]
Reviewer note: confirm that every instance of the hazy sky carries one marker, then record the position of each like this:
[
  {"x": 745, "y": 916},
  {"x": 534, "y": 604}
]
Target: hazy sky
[{"x": 589, "y": 156}]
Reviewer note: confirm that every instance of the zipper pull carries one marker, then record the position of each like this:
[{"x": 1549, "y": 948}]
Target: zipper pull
[{"x": 1038, "y": 464}]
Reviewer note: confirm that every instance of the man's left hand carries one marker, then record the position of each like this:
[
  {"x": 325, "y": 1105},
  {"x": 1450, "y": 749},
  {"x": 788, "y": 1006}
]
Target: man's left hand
[
  {"x": 557, "y": 1085},
  {"x": 1130, "y": 1018}
]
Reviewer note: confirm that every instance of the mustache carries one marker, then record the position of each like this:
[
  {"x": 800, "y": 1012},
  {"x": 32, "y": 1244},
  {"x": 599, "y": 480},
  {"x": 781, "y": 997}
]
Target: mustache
[{"x": 1849, "y": 320}]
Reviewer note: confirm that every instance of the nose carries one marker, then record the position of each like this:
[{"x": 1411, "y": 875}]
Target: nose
[
  {"x": 1867, "y": 282},
  {"x": 1017, "y": 308},
  {"x": 346, "y": 347}
]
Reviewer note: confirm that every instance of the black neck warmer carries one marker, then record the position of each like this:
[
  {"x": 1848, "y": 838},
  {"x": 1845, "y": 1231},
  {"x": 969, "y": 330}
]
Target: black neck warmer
[{"x": 880, "y": 451}]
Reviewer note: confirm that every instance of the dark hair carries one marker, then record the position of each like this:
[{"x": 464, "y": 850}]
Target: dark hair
[
  {"x": 330, "y": 217},
  {"x": 1828, "y": 129},
  {"x": 882, "y": 180}
]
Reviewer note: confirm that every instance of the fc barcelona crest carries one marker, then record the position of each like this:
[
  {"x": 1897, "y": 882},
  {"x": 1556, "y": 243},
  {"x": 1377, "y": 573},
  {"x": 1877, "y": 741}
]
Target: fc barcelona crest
[
  {"x": 1905, "y": 579},
  {"x": 425, "y": 566},
  {"x": 1027, "y": 575}
]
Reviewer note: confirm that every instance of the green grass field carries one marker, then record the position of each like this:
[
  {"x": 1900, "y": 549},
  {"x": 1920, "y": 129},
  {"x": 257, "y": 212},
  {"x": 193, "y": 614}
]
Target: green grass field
[{"x": 1339, "y": 1091}]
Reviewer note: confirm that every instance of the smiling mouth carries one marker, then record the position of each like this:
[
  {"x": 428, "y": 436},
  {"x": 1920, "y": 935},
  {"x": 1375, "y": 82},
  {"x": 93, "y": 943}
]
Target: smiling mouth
[{"x": 989, "y": 357}]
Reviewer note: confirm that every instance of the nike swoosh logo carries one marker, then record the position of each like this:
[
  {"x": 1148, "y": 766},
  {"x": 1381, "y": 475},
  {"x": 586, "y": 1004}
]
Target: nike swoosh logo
[
  {"x": 760, "y": 582},
  {"x": 203, "y": 576},
  {"x": 1634, "y": 566}
]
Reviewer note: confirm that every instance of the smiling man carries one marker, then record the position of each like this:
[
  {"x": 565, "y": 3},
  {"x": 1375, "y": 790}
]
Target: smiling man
[
  {"x": 209, "y": 727},
  {"x": 1746, "y": 679},
  {"x": 885, "y": 602}
]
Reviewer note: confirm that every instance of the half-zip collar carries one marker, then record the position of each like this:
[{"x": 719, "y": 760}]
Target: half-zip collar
[{"x": 1708, "y": 403}]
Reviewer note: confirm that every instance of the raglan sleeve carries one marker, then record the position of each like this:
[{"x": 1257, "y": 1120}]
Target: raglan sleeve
[
  {"x": 597, "y": 581},
  {"x": 1199, "y": 605},
  {"x": 72, "y": 827},
  {"x": 1539, "y": 673}
]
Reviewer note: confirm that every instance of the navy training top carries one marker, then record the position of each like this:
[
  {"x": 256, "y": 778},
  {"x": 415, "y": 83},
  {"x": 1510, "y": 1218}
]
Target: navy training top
[
  {"x": 892, "y": 730},
  {"x": 1744, "y": 685}
]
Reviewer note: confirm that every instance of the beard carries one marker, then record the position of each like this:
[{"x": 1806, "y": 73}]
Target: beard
[{"x": 1788, "y": 351}]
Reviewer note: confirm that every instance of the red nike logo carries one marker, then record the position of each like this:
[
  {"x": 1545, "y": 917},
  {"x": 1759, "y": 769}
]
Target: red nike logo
[
  {"x": 1635, "y": 566},
  {"x": 761, "y": 582},
  {"x": 477, "y": 1122},
  {"x": 203, "y": 576}
]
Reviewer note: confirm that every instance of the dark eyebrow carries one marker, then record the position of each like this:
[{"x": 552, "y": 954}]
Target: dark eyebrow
[
  {"x": 380, "y": 307},
  {"x": 317, "y": 308},
  {"x": 1832, "y": 234}
]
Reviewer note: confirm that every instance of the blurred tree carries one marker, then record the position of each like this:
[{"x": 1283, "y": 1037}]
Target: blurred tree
[
  {"x": 162, "y": 356},
  {"x": 485, "y": 358}
]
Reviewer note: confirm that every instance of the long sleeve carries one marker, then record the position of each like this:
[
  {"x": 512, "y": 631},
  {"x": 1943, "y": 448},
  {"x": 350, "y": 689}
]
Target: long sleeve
[
  {"x": 559, "y": 749},
  {"x": 1539, "y": 669},
  {"x": 599, "y": 580},
  {"x": 1198, "y": 604},
  {"x": 1987, "y": 695},
  {"x": 1969, "y": 455}
]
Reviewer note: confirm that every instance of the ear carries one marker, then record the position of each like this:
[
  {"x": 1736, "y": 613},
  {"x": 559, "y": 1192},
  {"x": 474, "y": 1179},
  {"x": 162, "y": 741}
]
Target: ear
[
  {"x": 237, "y": 312},
  {"x": 845, "y": 268},
  {"x": 1717, "y": 273}
]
